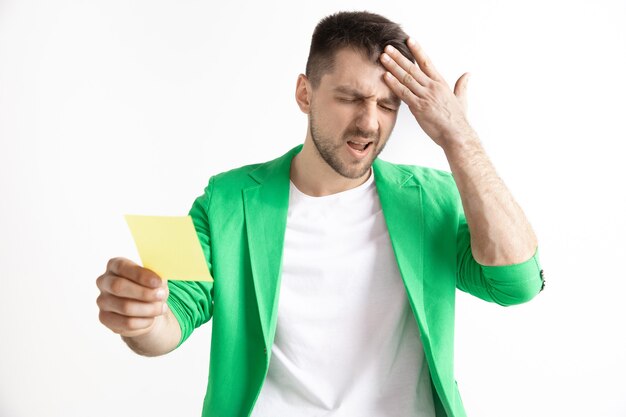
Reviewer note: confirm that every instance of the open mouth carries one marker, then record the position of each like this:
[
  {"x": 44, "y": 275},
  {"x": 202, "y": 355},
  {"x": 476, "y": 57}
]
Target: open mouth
[{"x": 359, "y": 146}]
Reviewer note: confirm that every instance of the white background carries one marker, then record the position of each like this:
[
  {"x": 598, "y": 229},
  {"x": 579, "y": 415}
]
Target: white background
[{"x": 116, "y": 107}]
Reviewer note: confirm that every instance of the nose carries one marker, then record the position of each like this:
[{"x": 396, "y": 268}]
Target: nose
[{"x": 367, "y": 120}]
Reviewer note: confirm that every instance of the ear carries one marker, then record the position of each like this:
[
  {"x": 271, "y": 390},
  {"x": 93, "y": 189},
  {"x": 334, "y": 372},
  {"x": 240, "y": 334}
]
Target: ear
[{"x": 303, "y": 93}]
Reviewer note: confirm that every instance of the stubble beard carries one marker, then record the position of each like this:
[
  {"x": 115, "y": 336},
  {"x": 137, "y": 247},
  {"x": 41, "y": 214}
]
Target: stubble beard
[{"x": 330, "y": 152}]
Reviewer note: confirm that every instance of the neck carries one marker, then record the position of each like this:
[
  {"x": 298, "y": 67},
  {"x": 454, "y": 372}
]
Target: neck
[{"x": 314, "y": 177}]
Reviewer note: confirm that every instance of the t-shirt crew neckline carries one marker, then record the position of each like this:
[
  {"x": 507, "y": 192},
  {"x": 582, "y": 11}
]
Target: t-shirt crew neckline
[{"x": 352, "y": 192}]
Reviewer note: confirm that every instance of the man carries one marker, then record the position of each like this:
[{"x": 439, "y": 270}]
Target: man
[{"x": 335, "y": 272}]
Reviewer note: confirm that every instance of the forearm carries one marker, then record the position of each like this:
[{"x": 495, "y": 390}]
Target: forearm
[
  {"x": 161, "y": 339},
  {"x": 500, "y": 232}
]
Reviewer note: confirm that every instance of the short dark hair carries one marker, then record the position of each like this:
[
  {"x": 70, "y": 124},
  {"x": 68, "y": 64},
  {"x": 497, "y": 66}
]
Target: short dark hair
[{"x": 363, "y": 31}]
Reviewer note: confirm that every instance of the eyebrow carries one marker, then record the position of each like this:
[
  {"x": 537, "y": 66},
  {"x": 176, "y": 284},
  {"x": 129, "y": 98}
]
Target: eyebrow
[{"x": 390, "y": 100}]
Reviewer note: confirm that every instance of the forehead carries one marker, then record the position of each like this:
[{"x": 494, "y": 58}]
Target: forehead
[{"x": 353, "y": 69}]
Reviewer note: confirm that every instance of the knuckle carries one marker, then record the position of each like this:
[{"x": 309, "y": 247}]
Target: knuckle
[
  {"x": 117, "y": 286},
  {"x": 127, "y": 323},
  {"x": 104, "y": 318},
  {"x": 100, "y": 302},
  {"x": 143, "y": 275},
  {"x": 112, "y": 264},
  {"x": 127, "y": 308},
  {"x": 99, "y": 282},
  {"x": 146, "y": 276}
]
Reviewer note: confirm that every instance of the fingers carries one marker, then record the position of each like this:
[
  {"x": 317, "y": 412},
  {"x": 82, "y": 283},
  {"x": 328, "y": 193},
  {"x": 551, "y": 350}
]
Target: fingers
[
  {"x": 423, "y": 61},
  {"x": 400, "y": 90},
  {"x": 128, "y": 269},
  {"x": 124, "y": 325},
  {"x": 404, "y": 79},
  {"x": 130, "y": 308},
  {"x": 131, "y": 297},
  {"x": 128, "y": 316},
  {"x": 403, "y": 69},
  {"x": 125, "y": 288}
]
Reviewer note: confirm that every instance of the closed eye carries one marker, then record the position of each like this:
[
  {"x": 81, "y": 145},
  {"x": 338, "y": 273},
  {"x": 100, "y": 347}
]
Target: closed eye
[
  {"x": 383, "y": 105},
  {"x": 387, "y": 108}
]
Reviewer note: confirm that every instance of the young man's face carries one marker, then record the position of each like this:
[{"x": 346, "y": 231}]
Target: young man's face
[{"x": 352, "y": 114}]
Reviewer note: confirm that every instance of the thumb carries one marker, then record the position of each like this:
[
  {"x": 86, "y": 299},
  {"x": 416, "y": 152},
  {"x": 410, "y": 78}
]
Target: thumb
[{"x": 460, "y": 89}]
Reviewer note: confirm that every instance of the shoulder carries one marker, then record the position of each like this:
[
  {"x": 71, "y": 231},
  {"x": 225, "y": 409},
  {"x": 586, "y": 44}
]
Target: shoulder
[
  {"x": 430, "y": 179},
  {"x": 239, "y": 176},
  {"x": 437, "y": 188},
  {"x": 253, "y": 174}
]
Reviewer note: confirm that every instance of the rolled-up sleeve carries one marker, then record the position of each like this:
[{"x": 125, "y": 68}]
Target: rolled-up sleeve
[{"x": 503, "y": 284}]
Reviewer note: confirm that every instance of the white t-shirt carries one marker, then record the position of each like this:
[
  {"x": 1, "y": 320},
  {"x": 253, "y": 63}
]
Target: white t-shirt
[{"x": 346, "y": 342}]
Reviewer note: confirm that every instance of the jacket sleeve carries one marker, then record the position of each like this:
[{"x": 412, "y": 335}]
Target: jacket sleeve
[
  {"x": 505, "y": 285},
  {"x": 191, "y": 301}
]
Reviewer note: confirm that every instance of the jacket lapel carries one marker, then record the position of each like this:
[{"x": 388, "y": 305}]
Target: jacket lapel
[
  {"x": 265, "y": 209},
  {"x": 401, "y": 200}
]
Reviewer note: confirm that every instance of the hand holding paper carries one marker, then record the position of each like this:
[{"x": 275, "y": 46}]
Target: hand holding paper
[{"x": 169, "y": 246}]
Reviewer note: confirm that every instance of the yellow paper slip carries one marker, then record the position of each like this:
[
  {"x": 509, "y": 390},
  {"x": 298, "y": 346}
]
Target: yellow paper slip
[{"x": 169, "y": 246}]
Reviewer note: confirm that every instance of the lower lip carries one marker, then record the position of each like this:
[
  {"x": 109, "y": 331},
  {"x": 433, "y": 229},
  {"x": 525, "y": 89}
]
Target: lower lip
[{"x": 360, "y": 154}]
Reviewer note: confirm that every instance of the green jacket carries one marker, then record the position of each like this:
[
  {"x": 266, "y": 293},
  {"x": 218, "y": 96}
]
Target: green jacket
[{"x": 241, "y": 220}]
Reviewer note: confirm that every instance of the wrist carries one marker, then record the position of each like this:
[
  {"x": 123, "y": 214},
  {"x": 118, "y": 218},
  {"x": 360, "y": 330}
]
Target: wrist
[
  {"x": 461, "y": 144},
  {"x": 160, "y": 338}
]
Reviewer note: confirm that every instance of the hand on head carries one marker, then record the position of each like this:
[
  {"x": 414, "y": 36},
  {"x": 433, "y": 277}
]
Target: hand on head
[{"x": 440, "y": 111}]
